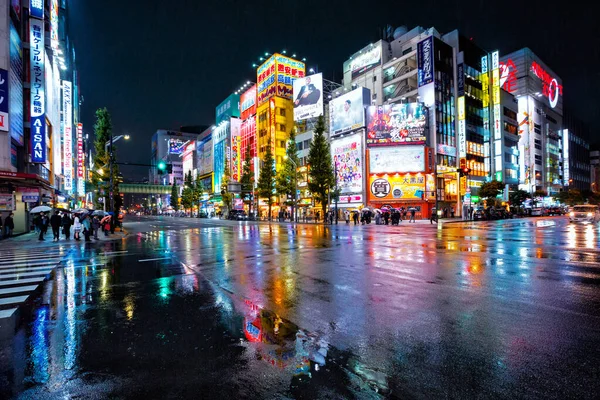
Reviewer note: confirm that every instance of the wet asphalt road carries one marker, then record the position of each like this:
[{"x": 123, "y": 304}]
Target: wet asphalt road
[{"x": 205, "y": 308}]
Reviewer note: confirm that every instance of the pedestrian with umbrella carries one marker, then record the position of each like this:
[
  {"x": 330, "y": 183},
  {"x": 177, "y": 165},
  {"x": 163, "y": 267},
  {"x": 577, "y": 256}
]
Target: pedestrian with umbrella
[
  {"x": 77, "y": 227},
  {"x": 105, "y": 222},
  {"x": 413, "y": 211},
  {"x": 66, "y": 224},
  {"x": 87, "y": 227},
  {"x": 95, "y": 226},
  {"x": 42, "y": 224},
  {"x": 55, "y": 222}
]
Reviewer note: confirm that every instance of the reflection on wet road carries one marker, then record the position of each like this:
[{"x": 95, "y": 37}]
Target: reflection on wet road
[{"x": 493, "y": 309}]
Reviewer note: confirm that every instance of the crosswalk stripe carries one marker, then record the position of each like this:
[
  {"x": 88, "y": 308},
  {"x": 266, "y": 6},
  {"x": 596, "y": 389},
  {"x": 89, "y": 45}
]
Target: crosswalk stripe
[
  {"x": 5, "y": 260},
  {"x": 31, "y": 259},
  {"x": 13, "y": 300},
  {"x": 18, "y": 275},
  {"x": 19, "y": 289},
  {"x": 21, "y": 281},
  {"x": 32, "y": 264},
  {"x": 7, "y": 313},
  {"x": 24, "y": 269}
]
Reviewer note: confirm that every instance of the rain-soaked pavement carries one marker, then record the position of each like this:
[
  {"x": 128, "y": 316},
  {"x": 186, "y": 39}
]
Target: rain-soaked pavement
[{"x": 503, "y": 309}]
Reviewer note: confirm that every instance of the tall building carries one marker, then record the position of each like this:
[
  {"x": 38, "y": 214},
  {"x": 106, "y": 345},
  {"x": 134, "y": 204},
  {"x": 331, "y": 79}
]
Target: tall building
[
  {"x": 539, "y": 93},
  {"x": 168, "y": 147},
  {"x": 595, "y": 170},
  {"x": 42, "y": 150},
  {"x": 225, "y": 137},
  {"x": 577, "y": 169}
]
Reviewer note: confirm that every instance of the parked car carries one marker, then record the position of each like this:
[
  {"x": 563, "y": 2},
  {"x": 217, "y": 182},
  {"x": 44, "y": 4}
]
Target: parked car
[
  {"x": 479, "y": 214},
  {"x": 586, "y": 213},
  {"x": 237, "y": 215},
  {"x": 555, "y": 211},
  {"x": 537, "y": 212}
]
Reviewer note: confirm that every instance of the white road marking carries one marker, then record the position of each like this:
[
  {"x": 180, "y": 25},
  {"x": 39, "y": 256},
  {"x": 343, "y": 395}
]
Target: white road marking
[{"x": 155, "y": 259}]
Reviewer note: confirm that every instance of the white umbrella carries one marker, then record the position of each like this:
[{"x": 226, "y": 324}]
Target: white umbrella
[
  {"x": 40, "y": 209},
  {"x": 100, "y": 213},
  {"x": 80, "y": 211}
]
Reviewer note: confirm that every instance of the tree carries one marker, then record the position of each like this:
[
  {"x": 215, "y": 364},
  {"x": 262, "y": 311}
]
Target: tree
[
  {"x": 198, "y": 192},
  {"x": 225, "y": 194},
  {"x": 286, "y": 180},
  {"x": 266, "y": 180},
  {"x": 247, "y": 179},
  {"x": 175, "y": 197},
  {"x": 187, "y": 198},
  {"x": 518, "y": 197},
  {"x": 491, "y": 190},
  {"x": 321, "y": 177},
  {"x": 101, "y": 176},
  {"x": 570, "y": 197}
]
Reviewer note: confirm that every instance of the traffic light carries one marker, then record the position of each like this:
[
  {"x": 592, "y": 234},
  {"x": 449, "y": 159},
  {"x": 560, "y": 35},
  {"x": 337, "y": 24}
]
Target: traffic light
[
  {"x": 464, "y": 171},
  {"x": 162, "y": 166},
  {"x": 169, "y": 168}
]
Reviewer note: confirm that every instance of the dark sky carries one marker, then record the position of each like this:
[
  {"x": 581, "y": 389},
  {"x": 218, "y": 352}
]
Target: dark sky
[{"x": 162, "y": 64}]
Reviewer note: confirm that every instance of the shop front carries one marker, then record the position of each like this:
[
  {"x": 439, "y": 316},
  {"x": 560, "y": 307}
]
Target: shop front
[{"x": 408, "y": 190}]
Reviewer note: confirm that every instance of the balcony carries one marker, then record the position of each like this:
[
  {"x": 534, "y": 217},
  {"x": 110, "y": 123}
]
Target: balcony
[{"x": 402, "y": 88}]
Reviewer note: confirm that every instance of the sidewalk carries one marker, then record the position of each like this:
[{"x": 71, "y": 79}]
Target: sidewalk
[{"x": 32, "y": 237}]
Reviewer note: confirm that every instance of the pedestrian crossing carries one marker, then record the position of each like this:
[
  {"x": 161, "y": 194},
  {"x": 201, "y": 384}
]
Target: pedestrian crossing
[{"x": 22, "y": 271}]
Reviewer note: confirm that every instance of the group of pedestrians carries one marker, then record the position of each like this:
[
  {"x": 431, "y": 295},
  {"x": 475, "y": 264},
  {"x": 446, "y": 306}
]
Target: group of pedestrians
[
  {"x": 61, "y": 222},
  {"x": 6, "y": 228}
]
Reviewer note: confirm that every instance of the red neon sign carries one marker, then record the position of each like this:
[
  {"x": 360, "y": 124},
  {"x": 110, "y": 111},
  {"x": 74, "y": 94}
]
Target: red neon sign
[
  {"x": 551, "y": 89},
  {"x": 508, "y": 76}
]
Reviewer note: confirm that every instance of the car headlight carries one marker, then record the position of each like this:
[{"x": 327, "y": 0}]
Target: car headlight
[
  {"x": 590, "y": 215},
  {"x": 572, "y": 214}
]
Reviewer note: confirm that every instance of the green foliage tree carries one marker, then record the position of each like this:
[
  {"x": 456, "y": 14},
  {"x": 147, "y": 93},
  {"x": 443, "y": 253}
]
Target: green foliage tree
[
  {"x": 101, "y": 181},
  {"x": 187, "y": 197},
  {"x": 518, "y": 197},
  {"x": 198, "y": 192},
  {"x": 491, "y": 190},
  {"x": 286, "y": 180},
  {"x": 266, "y": 179},
  {"x": 321, "y": 174},
  {"x": 225, "y": 194},
  {"x": 247, "y": 179},
  {"x": 174, "y": 197},
  {"x": 570, "y": 197}
]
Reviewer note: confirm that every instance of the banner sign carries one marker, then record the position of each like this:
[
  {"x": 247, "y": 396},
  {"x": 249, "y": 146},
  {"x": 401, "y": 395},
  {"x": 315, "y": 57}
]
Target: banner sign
[
  {"x": 37, "y": 102},
  {"x": 4, "y": 100},
  {"x": 80, "y": 151},
  {"x": 36, "y": 9},
  {"x": 425, "y": 61},
  {"x": 68, "y": 135}
]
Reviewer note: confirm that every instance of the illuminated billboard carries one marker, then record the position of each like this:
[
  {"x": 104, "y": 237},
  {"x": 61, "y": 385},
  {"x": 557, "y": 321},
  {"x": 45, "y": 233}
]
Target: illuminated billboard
[
  {"x": 37, "y": 104},
  {"x": 234, "y": 156},
  {"x": 204, "y": 152},
  {"x": 68, "y": 135},
  {"x": 347, "y": 112},
  {"x": 176, "y": 146},
  {"x": 187, "y": 157},
  {"x": 348, "y": 163},
  {"x": 425, "y": 61},
  {"x": 276, "y": 76},
  {"x": 15, "y": 91},
  {"x": 308, "y": 97},
  {"x": 230, "y": 107},
  {"x": 248, "y": 103},
  {"x": 367, "y": 59},
  {"x": 396, "y": 124},
  {"x": 388, "y": 160},
  {"x": 54, "y": 24},
  {"x": 400, "y": 187}
]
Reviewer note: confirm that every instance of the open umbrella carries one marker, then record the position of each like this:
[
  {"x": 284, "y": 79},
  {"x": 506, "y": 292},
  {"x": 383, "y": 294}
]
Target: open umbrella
[
  {"x": 39, "y": 209},
  {"x": 100, "y": 213},
  {"x": 80, "y": 211}
]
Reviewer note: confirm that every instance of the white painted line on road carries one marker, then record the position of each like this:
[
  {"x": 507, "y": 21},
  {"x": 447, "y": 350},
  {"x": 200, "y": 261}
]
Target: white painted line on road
[
  {"x": 155, "y": 259},
  {"x": 24, "y": 269},
  {"x": 7, "y": 260},
  {"x": 21, "y": 281},
  {"x": 108, "y": 253},
  {"x": 18, "y": 275},
  {"x": 7, "y": 313},
  {"x": 31, "y": 264},
  {"x": 13, "y": 300},
  {"x": 20, "y": 289}
]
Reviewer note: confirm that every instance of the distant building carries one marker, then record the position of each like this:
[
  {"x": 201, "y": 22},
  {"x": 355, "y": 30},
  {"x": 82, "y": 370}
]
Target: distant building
[
  {"x": 595, "y": 170},
  {"x": 577, "y": 169},
  {"x": 168, "y": 147}
]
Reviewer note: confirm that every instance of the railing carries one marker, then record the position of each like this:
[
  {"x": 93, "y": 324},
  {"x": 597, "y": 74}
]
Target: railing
[{"x": 401, "y": 69}]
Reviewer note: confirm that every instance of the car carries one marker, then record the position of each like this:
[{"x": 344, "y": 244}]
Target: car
[
  {"x": 555, "y": 211},
  {"x": 237, "y": 215},
  {"x": 584, "y": 213},
  {"x": 479, "y": 214},
  {"x": 537, "y": 212}
]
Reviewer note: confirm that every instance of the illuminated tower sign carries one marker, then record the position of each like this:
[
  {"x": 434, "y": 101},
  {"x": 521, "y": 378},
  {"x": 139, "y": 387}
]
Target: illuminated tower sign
[
  {"x": 37, "y": 104},
  {"x": 550, "y": 86},
  {"x": 275, "y": 76}
]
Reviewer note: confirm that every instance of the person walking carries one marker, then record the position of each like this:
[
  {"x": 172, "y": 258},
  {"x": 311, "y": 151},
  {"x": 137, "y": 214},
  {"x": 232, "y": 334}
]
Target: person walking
[
  {"x": 66, "y": 224},
  {"x": 355, "y": 217},
  {"x": 95, "y": 226},
  {"x": 413, "y": 211},
  {"x": 42, "y": 224},
  {"x": 433, "y": 216},
  {"x": 317, "y": 216},
  {"x": 112, "y": 223},
  {"x": 105, "y": 225},
  {"x": 9, "y": 225},
  {"x": 470, "y": 213},
  {"x": 347, "y": 217},
  {"x": 55, "y": 222},
  {"x": 77, "y": 227},
  {"x": 87, "y": 227},
  {"x": 452, "y": 211}
]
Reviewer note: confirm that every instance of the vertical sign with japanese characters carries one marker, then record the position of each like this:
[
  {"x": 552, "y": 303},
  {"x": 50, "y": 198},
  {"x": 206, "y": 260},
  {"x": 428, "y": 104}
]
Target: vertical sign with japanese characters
[
  {"x": 37, "y": 101},
  {"x": 68, "y": 135},
  {"x": 3, "y": 100},
  {"x": 425, "y": 61},
  {"x": 80, "y": 160},
  {"x": 36, "y": 9}
]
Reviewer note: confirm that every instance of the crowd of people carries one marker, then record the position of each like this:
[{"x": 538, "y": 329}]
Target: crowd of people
[{"x": 61, "y": 223}]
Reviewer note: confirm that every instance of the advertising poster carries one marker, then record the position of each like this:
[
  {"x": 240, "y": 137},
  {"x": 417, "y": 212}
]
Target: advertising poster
[
  {"x": 7, "y": 202},
  {"x": 248, "y": 103},
  {"x": 365, "y": 61},
  {"x": 4, "y": 100},
  {"x": 347, "y": 112},
  {"x": 288, "y": 70},
  {"x": 188, "y": 158},
  {"x": 230, "y": 107},
  {"x": 425, "y": 61},
  {"x": 347, "y": 160},
  {"x": 68, "y": 136},
  {"x": 308, "y": 97},
  {"x": 396, "y": 124},
  {"x": 16, "y": 87},
  {"x": 234, "y": 160},
  {"x": 176, "y": 146},
  {"x": 399, "y": 186},
  {"x": 390, "y": 160}
]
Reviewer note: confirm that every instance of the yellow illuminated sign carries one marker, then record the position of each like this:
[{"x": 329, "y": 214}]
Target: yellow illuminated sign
[{"x": 461, "y": 107}]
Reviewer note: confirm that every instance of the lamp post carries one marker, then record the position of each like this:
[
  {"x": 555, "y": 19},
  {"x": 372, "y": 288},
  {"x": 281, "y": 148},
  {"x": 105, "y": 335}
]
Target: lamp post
[{"x": 110, "y": 163}]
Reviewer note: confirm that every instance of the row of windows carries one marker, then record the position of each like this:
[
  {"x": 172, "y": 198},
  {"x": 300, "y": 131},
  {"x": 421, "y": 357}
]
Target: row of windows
[
  {"x": 303, "y": 145},
  {"x": 510, "y": 113},
  {"x": 510, "y": 128}
]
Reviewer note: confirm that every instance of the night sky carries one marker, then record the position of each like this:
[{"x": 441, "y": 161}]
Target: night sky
[{"x": 162, "y": 64}]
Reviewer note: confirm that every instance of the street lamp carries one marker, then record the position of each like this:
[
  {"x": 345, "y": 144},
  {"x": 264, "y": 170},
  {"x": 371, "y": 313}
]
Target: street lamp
[
  {"x": 110, "y": 162},
  {"x": 295, "y": 205}
]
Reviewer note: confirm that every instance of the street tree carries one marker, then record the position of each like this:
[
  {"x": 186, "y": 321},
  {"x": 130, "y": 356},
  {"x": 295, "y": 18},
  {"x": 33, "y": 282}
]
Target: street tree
[
  {"x": 226, "y": 196},
  {"x": 100, "y": 177},
  {"x": 321, "y": 176},
  {"x": 187, "y": 198},
  {"x": 266, "y": 180},
  {"x": 247, "y": 179},
  {"x": 490, "y": 190},
  {"x": 518, "y": 197},
  {"x": 174, "y": 197},
  {"x": 198, "y": 192},
  {"x": 286, "y": 180}
]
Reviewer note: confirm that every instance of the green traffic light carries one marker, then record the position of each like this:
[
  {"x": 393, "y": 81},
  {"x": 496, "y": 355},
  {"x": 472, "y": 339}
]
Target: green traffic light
[{"x": 162, "y": 165}]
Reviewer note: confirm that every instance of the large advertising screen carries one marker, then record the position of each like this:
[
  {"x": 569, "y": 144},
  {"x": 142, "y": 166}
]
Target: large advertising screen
[
  {"x": 391, "y": 160},
  {"x": 368, "y": 59},
  {"x": 37, "y": 106},
  {"x": 276, "y": 76},
  {"x": 248, "y": 103},
  {"x": 400, "y": 187},
  {"x": 204, "y": 152},
  {"x": 308, "y": 97},
  {"x": 348, "y": 163},
  {"x": 347, "y": 112},
  {"x": 176, "y": 146},
  {"x": 395, "y": 124}
]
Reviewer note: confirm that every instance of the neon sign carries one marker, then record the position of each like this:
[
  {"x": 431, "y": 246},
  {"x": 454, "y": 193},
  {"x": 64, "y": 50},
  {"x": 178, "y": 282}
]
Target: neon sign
[
  {"x": 551, "y": 88},
  {"x": 508, "y": 76}
]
